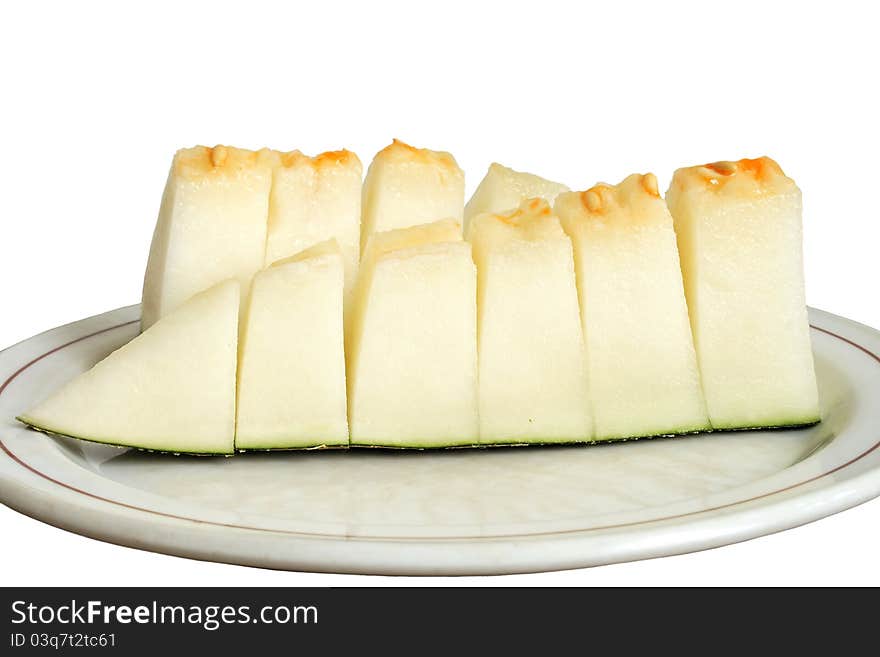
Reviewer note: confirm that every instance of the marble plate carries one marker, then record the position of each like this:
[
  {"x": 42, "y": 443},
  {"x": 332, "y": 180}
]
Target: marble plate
[{"x": 442, "y": 513}]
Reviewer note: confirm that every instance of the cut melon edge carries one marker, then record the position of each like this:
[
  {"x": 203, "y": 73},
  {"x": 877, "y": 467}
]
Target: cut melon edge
[
  {"x": 318, "y": 444},
  {"x": 776, "y": 425},
  {"x": 36, "y": 426},
  {"x": 794, "y": 423}
]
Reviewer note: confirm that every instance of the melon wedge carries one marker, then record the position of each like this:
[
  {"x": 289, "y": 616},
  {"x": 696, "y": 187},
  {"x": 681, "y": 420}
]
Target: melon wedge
[
  {"x": 532, "y": 368},
  {"x": 379, "y": 244},
  {"x": 172, "y": 388},
  {"x": 407, "y": 186},
  {"x": 314, "y": 199},
  {"x": 505, "y": 189},
  {"x": 211, "y": 226},
  {"x": 412, "y": 362},
  {"x": 642, "y": 367},
  {"x": 739, "y": 232},
  {"x": 291, "y": 386}
]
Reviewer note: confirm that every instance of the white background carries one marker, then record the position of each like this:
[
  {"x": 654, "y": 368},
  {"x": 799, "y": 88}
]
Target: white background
[{"x": 95, "y": 98}]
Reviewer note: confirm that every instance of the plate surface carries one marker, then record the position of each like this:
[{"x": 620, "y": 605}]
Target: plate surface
[{"x": 459, "y": 512}]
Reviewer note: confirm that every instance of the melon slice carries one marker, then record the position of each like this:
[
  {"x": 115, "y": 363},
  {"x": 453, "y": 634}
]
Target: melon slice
[
  {"x": 532, "y": 369},
  {"x": 211, "y": 226},
  {"x": 739, "y": 232},
  {"x": 291, "y": 386},
  {"x": 408, "y": 186},
  {"x": 505, "y": 189},
  {"x": 314, "y": 199},
  {"x": 642, "y": 367},
  {"x": 412, "y": 361},
  {"x": 172, "y": 388},
  {"x": 379, "y": 244}
]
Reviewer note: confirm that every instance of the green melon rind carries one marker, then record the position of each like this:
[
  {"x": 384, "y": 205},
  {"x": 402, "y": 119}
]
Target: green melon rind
[
  {"x": 535, "y": 441},
  {"x": 291, "y": 448},
  {"x": 531, "y": 443},
  {"x": 685, "y": 431},
  {"x": 155, "y": 448},
  {"x": 678, "y": 431},
  {"x": 415, "y": 444},
  {"x": 791, "y": 423},
  {"x": 473, "y": 445},
  {"x": 798, "y": 423}
]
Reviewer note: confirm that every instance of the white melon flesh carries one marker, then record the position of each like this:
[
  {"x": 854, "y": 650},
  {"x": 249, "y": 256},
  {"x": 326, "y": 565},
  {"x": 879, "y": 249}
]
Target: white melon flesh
[
  {"x": 412, "y": 363},
  {"x": 408, "y": 186},
  {"x": 211, "y": 226},
  {"x": 505, "y": 189},
  {"x": 739, "y": 234},
  {"x": 532, "y": 369},
  {"x": 379, "y": 244},
  {"x": 314, "y": 199},
  {"x": 172, "y": 388},
  {"x": 291, "y": 386},
  {"x": 642, "y": 367}
]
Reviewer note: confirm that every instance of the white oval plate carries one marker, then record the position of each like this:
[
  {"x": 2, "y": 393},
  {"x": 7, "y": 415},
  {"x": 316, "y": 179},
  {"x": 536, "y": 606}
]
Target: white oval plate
[{"x": 459, "y": 512}]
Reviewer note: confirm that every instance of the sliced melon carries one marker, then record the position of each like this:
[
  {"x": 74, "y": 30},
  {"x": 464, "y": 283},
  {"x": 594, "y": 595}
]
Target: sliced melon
[
  {"x": 739, "y": 233},
  {"x": 408, "y": 186},
  {"x": 642, "y": 367},
  {"x": 532, "y": 369},
  {"x": 315, "y": 199},
  {"x": 379, "y": 244},
  {"x": 504, "y": 189},
  {"x": 291, "y": 386},
  {"x": 172, "y": 388},
  {"x": 412, "y": 361},
  {"x": 211, "y": 226}
]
